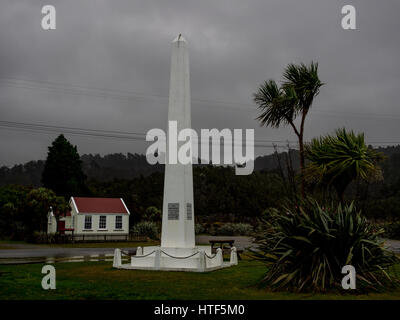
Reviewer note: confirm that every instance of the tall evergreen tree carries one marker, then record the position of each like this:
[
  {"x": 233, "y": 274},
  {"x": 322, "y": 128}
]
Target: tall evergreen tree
[{"x": 63, "y": 169}]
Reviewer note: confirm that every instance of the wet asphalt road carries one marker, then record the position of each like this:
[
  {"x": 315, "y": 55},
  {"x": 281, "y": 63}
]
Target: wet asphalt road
[
  {"x": 54, "y": 252},
  {"x": 21, "y": 251},
  {"x": 393, "y": 245}
]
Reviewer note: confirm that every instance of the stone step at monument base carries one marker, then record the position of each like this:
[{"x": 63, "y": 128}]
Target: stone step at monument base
[
  {"x": 130, "y": 267},
  {"x": 197, "y": 259},
  {"x": 175, "y": 251}
]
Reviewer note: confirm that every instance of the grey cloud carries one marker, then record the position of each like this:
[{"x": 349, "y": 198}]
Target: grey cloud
[{"x": 234, "y": 46}]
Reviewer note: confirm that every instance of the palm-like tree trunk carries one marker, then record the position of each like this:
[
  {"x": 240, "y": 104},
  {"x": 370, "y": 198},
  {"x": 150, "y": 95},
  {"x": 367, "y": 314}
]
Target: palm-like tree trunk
[
  {"x": 302, "y": 165},
  {"x": 301, "y": 150}
]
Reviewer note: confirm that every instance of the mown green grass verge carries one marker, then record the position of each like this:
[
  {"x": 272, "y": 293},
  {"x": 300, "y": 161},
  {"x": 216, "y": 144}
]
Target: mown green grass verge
[{"x": 98, "y": 280}]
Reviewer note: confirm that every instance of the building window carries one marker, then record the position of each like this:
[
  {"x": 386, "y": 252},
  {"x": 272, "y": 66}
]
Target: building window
[
  {"x": 118, "y": 222},
  {"x": 88, "y": 222},
  {"x": 102, "y": 222}
]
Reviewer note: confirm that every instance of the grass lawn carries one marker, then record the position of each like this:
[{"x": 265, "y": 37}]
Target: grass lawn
[
  {"x": 98, "y": 280},
  {"x": 11, "y": 241},
  {"x": 8, "y": 244},
  {"x": 6, "y": 247}
]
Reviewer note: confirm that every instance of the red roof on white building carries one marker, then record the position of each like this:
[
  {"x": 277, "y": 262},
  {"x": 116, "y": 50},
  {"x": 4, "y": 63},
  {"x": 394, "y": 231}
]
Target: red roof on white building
[{"x": 100, "y": 205}]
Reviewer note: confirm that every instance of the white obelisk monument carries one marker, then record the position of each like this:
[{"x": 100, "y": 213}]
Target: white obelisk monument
[
  {"x": 178, "y": 251},
  {"x": 178, "y": 211}
]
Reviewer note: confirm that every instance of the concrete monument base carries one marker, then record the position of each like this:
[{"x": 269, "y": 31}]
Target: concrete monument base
[{"x": 197, "y": 259}]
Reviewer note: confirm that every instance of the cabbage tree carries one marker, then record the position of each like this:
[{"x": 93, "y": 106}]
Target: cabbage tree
[
  {"x": 336, "y": 160},
  {"x": 282, "y": 105}
]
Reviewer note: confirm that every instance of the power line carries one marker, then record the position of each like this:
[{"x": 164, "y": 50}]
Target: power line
[
  {"x": 98, "y": 92},
  {"x": 58, "y": 128},
  {"x": 133, "y": 136},
  {"x": 116, "y": 138},
  {"x": 119, "y": 135},
  {"x": 34, "y": 125},
  {"x": 130, "y": 95}
]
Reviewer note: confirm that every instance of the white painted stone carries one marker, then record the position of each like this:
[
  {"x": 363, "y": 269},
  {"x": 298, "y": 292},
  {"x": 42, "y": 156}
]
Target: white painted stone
[
  {"x": 117, "y": 258},
  {"x": 139, "y": 251},
  {"x": 157, "y": 259},
  {"x": 178, "y": 251},
  {"x": 234, "y": 259},
  {"x": 202, "y": 261},
  {"x": 219, "y": 257},
  {"x": 142, "y": 262},
  {"x": 178, "y": 181}
]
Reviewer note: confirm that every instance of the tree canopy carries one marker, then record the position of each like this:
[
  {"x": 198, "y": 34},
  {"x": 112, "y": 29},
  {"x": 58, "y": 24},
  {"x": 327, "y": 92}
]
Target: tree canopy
[
  {"x": 281, "y": 105},
  {"x": 62, "y": 171},
  {"x": 337, "y": 160},
  {"x": 23, "y": 210}
]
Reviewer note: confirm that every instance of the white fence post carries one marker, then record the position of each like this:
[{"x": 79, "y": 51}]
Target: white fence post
[
  {"x": 139, "y": 251},
  {"x": 220, "y": 258},
  {"x": 234, "y": 259},
  {"x": 117, "y": 258},
  {"x": 157, "y": 259},
  {"x": 202, "y": 261}
]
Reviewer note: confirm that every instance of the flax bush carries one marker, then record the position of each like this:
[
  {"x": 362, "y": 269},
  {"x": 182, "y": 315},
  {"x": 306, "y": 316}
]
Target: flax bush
[{"x": 305, "y": 248}]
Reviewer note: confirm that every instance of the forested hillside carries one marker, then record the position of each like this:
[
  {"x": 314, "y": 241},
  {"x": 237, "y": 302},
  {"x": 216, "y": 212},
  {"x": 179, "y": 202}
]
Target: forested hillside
[
  {"x": 128, "y": 166},
  {"x": 219, "y": 193}
]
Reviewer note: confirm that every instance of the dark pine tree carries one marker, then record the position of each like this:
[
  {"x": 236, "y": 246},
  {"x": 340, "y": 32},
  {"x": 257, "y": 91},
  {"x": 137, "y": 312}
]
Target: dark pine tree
[{"x": 62, "y": 171}]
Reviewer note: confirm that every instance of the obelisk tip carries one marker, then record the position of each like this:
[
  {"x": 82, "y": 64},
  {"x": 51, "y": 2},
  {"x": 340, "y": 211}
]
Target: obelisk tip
[{"x": 179, "y": 38}]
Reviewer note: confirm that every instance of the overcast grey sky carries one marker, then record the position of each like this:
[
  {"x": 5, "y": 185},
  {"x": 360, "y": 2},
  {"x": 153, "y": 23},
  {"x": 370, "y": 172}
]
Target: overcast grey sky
[{"x": 123, "y": 49}]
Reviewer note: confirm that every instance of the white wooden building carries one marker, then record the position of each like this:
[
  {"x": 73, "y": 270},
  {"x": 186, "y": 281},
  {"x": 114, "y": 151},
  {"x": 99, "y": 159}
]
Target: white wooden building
[{"x": 94, "y": 219}]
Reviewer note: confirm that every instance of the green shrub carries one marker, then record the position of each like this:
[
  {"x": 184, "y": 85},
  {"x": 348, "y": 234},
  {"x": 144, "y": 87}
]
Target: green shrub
[
  {"x": 37, "y": 237},
  {"x": 305, "y": 248},
  {"x": 199, "y": 228},
  {"x": 235, "y": 229},
  {"x": 152, "y": 214},
  {"x": 40, "y": 237},
  {"x": 392, "y": 230},
  {"x": 146, "y": 229}
]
